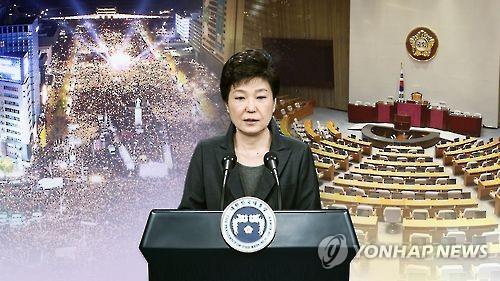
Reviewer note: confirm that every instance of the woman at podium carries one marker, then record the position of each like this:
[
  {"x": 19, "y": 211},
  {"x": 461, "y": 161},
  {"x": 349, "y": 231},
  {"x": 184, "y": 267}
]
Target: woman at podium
[{"x": 249, "y": 86}]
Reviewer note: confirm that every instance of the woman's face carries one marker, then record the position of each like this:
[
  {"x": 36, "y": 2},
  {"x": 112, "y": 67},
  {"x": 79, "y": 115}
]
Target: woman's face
[{"x": 251, "y": 106}]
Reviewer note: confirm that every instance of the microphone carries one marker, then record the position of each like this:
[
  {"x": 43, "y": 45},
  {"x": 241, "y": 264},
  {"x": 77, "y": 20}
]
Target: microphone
[
  {"x": 228, "y": 163},
  {"x": 271, "y": 162}
]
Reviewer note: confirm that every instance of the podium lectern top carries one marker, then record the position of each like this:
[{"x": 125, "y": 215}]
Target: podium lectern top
[{"x": 188, "y": 245}]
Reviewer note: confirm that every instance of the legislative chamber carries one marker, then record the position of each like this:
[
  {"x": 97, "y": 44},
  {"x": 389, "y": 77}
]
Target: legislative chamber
[{"x": 420, "y": 113}]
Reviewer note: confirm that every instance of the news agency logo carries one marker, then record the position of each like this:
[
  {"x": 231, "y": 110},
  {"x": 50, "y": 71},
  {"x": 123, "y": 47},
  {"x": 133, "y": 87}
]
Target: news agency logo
[
  {"x": 248, "y": 224},
  {"x": 332, "y": 251},
  {"x": 457, "y": 251}
]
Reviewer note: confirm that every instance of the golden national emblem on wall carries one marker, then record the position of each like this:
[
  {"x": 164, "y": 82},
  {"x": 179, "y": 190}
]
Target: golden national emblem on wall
[{"x": 422, "y": 44}]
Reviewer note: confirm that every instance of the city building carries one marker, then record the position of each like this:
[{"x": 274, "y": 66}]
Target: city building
[
  {"x": 19, "y": 85},
  {"x": 195, "y": 32},
  {"x": 17, "y": 127},
  {"x": 106, "y": 11},
  {"x": 221, "y": 25},
  {"x": 182, "y": 26},
  {"x": 47, "y": 37}
]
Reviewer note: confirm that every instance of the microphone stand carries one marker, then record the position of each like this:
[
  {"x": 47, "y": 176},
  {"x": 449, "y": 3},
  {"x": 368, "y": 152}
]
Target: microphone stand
[
  {"x": 271, "y": 162},
  {"x": 228, "y": 163}
]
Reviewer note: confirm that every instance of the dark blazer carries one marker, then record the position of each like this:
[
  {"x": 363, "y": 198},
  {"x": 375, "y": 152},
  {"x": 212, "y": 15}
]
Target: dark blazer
[{"x": 297, "y": 174}]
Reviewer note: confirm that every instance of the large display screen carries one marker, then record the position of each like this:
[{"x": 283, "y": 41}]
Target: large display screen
[
  {"x": 302, "y": 62},
  {"x": 10, "y": 69}
]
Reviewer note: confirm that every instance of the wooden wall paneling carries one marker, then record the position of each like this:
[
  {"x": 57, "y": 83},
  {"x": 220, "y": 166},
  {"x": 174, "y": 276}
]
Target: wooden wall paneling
[{"x": 303, "y": 19}]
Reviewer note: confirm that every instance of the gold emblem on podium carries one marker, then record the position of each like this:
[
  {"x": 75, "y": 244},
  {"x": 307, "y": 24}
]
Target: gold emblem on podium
[{"x": 422, "y": 44}]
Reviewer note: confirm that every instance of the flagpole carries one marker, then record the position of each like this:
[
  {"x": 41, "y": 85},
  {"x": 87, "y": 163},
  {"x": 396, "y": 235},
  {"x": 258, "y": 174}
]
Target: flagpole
[{"x": 401, "y": 95}]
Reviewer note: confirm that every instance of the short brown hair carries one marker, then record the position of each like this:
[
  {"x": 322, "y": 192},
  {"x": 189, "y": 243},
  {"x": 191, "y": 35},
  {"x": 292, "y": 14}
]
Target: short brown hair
[{"x": 246, "y": 65}]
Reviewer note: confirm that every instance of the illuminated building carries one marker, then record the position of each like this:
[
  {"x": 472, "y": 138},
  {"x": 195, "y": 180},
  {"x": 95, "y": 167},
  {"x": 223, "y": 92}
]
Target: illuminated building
[
  {"x": 195, "y": 32},
  {"x": 106, "y": 11},
  {"x": 17, "y": 128},
  {"x": 182, "y": 26},
  {"x": 19, "y": 85}
]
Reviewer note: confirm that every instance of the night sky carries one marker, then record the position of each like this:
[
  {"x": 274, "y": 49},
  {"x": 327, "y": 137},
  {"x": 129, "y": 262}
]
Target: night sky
[{"x": 125, "y": 6}]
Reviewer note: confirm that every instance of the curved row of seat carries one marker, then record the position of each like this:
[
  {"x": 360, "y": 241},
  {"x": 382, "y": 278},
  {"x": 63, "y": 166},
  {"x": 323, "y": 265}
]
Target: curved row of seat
[
  {"x": 366, "y": 146},
  {"x": 472, "y": 175},
  {"x": 404, "y": 174},
  {"x": 445, "y": 232},
  {"x": 403, "y": 148},
  {"x": 405, "y": 156},
  {"x": 353, "y": 181},
  {"x": 395, "y": 166},
  {"x": 488, "y": 187},
  {"x": 329, "y": 155},
  {"x": 433, "y": 205},
  {"x": 469, "y": 149},
  {"x": 457, "y": 143},
  {"x": 483, "y": 158},
  {"x": 317, "y": 138},
  {"x": 289, "y": 110},
  {"x": 404, "y": 194}
]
